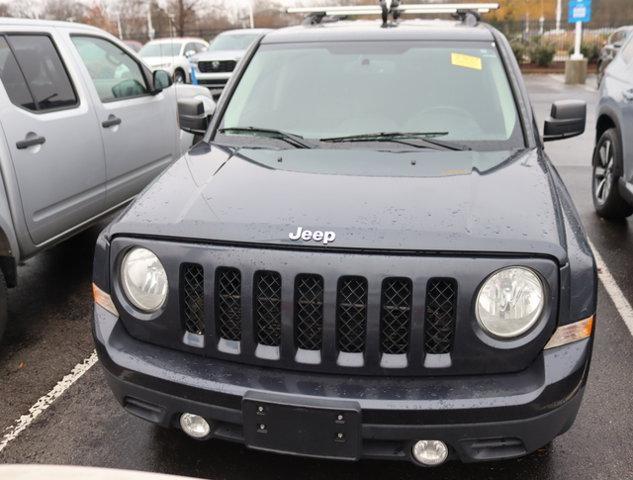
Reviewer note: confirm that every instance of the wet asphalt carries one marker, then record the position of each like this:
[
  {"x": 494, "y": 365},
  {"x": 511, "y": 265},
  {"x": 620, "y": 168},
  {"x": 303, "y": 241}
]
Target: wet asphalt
[{"x": 49, "y": 333}]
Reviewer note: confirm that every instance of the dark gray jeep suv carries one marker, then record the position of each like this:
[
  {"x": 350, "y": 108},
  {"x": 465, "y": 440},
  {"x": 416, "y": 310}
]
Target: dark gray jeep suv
[{"x": 368, "y": 255}]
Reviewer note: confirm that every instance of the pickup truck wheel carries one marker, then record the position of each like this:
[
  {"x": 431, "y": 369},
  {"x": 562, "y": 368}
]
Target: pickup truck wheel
[
  {"x": 179, "y": 76},
  {"x": 3, "y": 305},
  {"x": 606, "y": 161}
]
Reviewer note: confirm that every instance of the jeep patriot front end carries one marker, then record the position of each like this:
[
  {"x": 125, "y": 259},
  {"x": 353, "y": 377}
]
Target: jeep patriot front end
[{"x": 368, "y": 255}]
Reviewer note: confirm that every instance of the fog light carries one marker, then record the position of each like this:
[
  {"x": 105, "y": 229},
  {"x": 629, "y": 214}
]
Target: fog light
[
  {"x": 194, "y": 425},
  {"x": 430, "y": 452}
]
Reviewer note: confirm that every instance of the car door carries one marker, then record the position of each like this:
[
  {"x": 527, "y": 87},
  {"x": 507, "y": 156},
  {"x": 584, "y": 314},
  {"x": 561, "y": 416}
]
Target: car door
[
  {"x": 620, "y": 88},
  {"x": 52, "y": 134},
  {"x": 139, "y": 128}
]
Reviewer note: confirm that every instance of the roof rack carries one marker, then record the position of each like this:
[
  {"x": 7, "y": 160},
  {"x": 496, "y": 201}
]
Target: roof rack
[{"x": 468, "y": 13}]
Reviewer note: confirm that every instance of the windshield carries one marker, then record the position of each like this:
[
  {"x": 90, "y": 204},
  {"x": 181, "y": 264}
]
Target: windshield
[
  {"x": 229, "y": 41},
  {"x": 162, "y": 49},
  {"x": 451, "y": 92}
]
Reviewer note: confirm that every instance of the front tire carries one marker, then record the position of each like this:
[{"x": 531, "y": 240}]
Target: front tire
[
  {"x": 4, "y": 314},
  {"x": 607, "y": 158},
  {"x": 180, "y": 77}
]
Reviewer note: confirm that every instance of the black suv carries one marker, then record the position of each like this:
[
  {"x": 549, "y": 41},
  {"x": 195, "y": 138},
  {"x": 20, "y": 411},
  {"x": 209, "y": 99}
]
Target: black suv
[{"x": 368, "y": 255}]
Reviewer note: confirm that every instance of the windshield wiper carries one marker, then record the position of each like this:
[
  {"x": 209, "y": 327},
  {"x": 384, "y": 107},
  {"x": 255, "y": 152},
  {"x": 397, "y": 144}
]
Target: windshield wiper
[
  {"x": 426, "y": 138},
  {"x": 291, "y": 138}
]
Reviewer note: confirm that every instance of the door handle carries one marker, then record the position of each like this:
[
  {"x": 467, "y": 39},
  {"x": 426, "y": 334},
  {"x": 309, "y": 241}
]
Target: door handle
[
  {"x": 30, "y": 142},
  {"x": 111, "y": 121}
]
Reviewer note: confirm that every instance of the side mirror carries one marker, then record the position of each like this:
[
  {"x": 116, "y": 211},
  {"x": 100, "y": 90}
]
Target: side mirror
[
  {"x": 190, "y": 53},
  {"x": 567, "y": 119},
  {"x": 195, "y": 114},
  {"x": 161, "y": 80},
  {"x": 617, "y": 45}
]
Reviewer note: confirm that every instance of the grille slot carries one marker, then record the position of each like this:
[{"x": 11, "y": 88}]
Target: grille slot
[
  {"x": 192, "y": 297},
  {"x": 395, "y": 315},
  {"x": 439, "y": 325},
  {"x": 216, "y": 66},
  {"x": 351, "y": 314},
  {"x": 228, "y": 303},
  {"x": 308, "y": 322},
  {"x": 267, "y": 308}
]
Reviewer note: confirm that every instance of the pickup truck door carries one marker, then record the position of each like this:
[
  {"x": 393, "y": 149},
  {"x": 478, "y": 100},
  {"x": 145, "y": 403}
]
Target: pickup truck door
[
  {"x": 52, "y": 134},
  {"x": 139, "y": 129}
]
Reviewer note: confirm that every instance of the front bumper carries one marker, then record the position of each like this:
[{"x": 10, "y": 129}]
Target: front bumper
[
  {"x": 215, "y": 82},
  {"x": 488, "y": 417}
]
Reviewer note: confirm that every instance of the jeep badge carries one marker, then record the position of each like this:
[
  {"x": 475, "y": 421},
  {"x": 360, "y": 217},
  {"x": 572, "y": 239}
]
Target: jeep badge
[{"x": 317, "y": 236}]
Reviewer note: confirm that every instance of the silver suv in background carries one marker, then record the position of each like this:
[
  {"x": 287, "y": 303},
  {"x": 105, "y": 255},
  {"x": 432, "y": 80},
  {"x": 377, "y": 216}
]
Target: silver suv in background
[
  {"x": 214, "y": 67},
  {"x": 611, "y": 48},
  {"x": 172, "y": 55},
  {"x": 84, "y": 127}
]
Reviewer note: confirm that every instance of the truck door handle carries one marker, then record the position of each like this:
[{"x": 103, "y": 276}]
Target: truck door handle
[
  {"x": 30, "y": 142},
  {"x": 111, "y": 121}
]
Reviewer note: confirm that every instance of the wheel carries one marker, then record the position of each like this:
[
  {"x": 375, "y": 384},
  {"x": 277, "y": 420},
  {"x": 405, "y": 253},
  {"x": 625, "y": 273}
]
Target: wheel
[
  {"x": 606, "y": 196},
  {"x": 179, "y": 76},
  {"x": 3, "y": 305}
]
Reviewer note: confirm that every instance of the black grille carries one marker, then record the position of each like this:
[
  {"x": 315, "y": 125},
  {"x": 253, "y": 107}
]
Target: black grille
[
  {"x": 228, "y": 303},
  {"x": 351, "y": 314},
  {"x": 395, "y": 315},
  {"x": 216, "y": 66},
  {"x": 308, "y": 311},
  {"x": 439, "y": 326},
  {"x": 192, "y": 297},
  {"x": 267, "y": 308}
]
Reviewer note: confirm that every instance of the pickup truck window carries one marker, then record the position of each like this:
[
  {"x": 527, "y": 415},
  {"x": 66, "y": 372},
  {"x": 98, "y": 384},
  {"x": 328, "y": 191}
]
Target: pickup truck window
[
  {"x": 115, "y": 74},
  {"x": 33, "y": 73},
  {"x": 13, "y": 80}
]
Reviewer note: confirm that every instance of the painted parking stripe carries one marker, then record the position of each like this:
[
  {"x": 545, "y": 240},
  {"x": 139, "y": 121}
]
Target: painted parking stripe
[
  {"x": 615, "y": 292},
  {"x": 12, "y": 432}
]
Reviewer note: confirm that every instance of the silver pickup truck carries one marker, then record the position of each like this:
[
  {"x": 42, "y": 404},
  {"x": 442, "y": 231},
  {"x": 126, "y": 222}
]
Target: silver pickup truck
[{"x": 84, "y": 126}]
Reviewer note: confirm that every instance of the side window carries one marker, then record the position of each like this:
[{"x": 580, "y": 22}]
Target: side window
[
  {"x": 13, "y": 80},
  {"x": 34, "y": 75},
  {"x": 189, "y": 47},
  {"x": 200, "y": 47},
  {"x": 627, "y": 51},
  {"x": 115, "y": 74}
]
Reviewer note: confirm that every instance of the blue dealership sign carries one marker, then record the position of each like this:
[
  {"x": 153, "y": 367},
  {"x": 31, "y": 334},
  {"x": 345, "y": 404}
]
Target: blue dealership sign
[{"x": 579, "y": 11}]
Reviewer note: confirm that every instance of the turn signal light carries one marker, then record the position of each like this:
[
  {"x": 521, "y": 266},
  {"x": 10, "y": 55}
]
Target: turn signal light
[
  {"x": 104, "y": 300},
  {"x": 571, "y": 333}
]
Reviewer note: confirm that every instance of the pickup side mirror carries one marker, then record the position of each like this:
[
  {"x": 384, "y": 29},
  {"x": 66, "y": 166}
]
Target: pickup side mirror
[
  {"x": 568, "y": 119},
  {"x": 195, "y": 114},
  {"x": 161, "y": 80},
  {"x": 190, "y": 53}
]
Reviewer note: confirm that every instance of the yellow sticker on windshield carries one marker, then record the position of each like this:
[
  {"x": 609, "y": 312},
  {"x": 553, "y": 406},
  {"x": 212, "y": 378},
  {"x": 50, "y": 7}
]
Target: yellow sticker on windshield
[{"x": 466, "y": 61}]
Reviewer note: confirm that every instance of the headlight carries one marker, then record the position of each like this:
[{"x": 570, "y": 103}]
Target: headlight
[
  {"x": 144, "y": 280},
  {"x": 510, "y": 302}
]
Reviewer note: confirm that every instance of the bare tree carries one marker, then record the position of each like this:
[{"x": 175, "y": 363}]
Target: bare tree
[
  {"x": 69, "y": 10},
  {"x": 184, "y": 14}
]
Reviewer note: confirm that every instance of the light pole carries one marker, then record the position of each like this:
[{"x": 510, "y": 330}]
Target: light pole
[{"x": 559, "y": 14}]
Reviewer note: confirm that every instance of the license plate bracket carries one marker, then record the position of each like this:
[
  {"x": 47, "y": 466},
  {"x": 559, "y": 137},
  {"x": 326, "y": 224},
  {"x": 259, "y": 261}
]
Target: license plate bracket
[{"x": 324, "y": 429}]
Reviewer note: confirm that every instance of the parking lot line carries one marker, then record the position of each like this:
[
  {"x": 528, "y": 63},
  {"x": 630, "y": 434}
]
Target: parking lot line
[
  {"x": 47, "y": 400},
  {"x": 617, "y": 296}
]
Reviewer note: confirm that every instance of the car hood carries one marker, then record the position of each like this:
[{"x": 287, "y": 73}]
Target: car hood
[
  {"x": 155, "y": 61},
  {"x": 426, "y": 200},
  {"x": 219, "y": 55}
]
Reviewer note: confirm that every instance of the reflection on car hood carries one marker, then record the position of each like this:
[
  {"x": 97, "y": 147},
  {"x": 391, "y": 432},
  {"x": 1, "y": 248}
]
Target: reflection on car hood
[
  {"x": 153, "y": 61},
  {"x": 424, "y": 200},
  {"x": 219, "y": 55}
]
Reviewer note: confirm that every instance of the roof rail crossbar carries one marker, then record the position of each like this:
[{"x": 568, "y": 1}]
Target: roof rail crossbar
[{"x": 466, "y": 12}]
